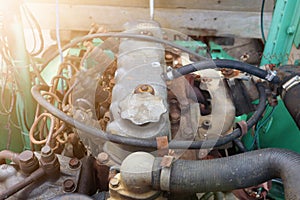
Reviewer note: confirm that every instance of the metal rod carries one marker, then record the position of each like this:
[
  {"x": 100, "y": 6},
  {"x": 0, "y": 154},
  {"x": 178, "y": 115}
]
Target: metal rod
[{"x": 37, "y": 174}]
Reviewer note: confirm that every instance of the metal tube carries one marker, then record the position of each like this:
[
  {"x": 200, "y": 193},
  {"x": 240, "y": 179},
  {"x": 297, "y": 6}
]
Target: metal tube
[
  {"x": 6, "y": 154},
  {"x": 30, "y": 179}
]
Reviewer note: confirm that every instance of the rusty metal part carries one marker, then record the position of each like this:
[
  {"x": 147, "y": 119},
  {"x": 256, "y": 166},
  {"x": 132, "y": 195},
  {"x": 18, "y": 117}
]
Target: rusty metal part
[
  {"x": 162, "y": 145},
  {"x": 174, "y": 110},
  {"x": 28, "y": 162},
  {"x": 103, "y": 175},
  {"x": 119, "y": 191},
  {"x": 25, "y": 182},
  {"x": 69, "y": 185},
  {"x": 243, "y": 127},
  {"x": 144, "y": 88},
  {"x": 74, "y": 163},
  {"x": 49, "y": 162},
  {"x": 169, "y": 59}
]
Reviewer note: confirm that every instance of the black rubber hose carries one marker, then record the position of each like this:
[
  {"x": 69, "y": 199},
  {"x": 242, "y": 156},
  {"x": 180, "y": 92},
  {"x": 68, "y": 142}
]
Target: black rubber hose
[
  {"x": 97, "y": 133},
  {"x": 236, "y": 172},
  {"x": 224, "y": 63}
]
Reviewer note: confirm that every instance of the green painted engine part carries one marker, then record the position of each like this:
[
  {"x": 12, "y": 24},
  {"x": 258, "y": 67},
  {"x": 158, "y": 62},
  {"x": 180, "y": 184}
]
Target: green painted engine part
[
  {"x": 25, "y": 105},
  {"x": 283, "y": 32},
  {"x": 217, "y": 52},
  {"x": 280, "y": 131}
]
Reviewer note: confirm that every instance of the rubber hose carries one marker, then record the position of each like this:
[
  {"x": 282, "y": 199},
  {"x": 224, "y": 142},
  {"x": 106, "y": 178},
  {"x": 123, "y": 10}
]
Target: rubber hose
[
  {"x": 236, "y": 172},
  {"x": 224, "y": 63},
  {"x": 97, "y": 133}
]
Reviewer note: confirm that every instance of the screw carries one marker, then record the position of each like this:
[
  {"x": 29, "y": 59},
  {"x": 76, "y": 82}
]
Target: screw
[
  {"x": 103, "y": 157},
  {"x": 46, "y": 150},
  {"x": 26, "y": 156},
  {"x": 69, "y": 185},
  {"x": 74, "y": 163},
  {"x": 114, "y": 182}
]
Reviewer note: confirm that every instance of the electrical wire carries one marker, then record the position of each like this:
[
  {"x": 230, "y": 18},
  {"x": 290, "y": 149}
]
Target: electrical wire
[
  {"x": 32, "y": 21},
  {"x": 259, "y": 126},
  {"x": 262, "y": 21},
  {"x": 57, "y": 32}
]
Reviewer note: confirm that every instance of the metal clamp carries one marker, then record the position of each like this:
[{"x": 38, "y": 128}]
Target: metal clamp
[
  {"x": 271, "y": 74},
  {"x": 290, "y": 83},
  {"x": 165, "y": 173}
]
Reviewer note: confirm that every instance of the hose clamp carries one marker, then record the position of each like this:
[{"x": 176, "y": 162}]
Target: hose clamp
[
  {"x": 165, "y": 173},
  {"x": 271, "y": 74},
  {"x": 289, "y": 84}
]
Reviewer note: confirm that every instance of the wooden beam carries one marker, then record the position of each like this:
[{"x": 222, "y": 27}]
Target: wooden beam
[
  {"x": 187, "y": 21},
  {"x": 229, "y": 5}
]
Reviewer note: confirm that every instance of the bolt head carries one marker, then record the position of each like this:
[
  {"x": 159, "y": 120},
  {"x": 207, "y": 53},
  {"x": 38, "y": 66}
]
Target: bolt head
[
  {"x": 26, "y": 156},
  {"x": 74, "y": 163},
  {"x": 69, "y": 185},
  {"x": 46, "y": 150}
]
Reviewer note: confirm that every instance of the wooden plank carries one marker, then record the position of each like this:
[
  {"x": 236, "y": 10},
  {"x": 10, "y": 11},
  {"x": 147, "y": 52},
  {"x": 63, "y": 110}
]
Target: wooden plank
[
  {"x": 188, "y": 21},
  {"x": 228, "y": 5}
]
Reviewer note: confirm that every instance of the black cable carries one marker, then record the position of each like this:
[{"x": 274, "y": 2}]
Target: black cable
[
  {"x": 96, "y": 133},
  {"x": 224, "y": 63},
  {"x": 121, "y": 35},
  {"x": 238, "y": 143},
  {"x": 262, "y": 21}
]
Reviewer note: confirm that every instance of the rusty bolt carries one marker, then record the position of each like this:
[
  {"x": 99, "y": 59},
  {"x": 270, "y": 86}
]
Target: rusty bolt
[
  {"x": 74, "y": 163},
  {"x": 69, "y": 185},
  {"x": 114, "y": 182},
  {"x": 46, "y": 150},
  {"x": 102, "y": 158},
  {"x": 26, "y": 156}
]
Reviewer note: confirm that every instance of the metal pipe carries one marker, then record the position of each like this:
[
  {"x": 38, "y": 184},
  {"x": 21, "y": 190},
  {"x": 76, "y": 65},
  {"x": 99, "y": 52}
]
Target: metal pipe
[
  {"x": 6, "y": 154},
  {"x": 25, "y": 182}
]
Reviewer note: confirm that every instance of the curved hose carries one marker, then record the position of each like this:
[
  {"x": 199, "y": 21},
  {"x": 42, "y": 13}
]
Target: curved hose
[
  {"x": 235, "y": 172},
  {"x": 97, "y": 133},
  {"x": 230, "y": 64}
]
